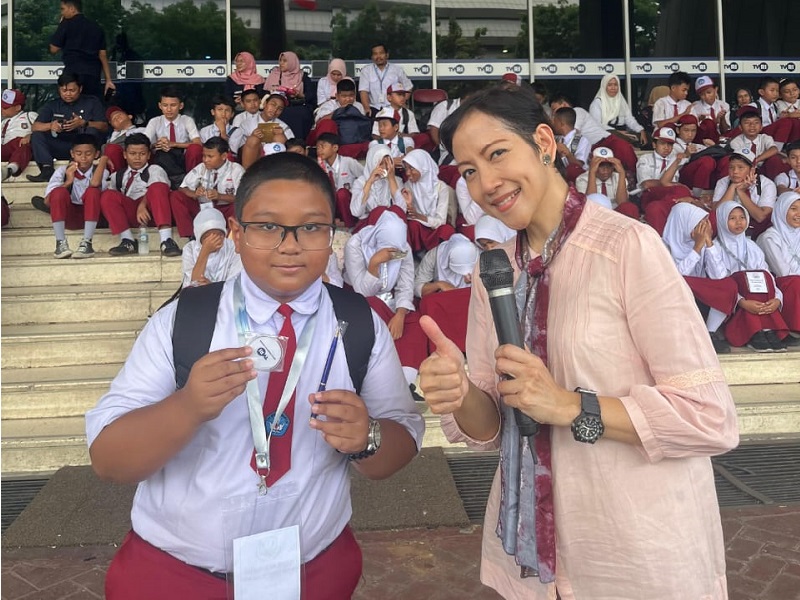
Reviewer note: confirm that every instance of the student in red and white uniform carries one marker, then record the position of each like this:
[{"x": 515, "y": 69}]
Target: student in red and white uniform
[
  {"x": 323, "y": 117},
  {"x": 222, "y": 111},
  {"x": 121, "y": 127},
  {"x": 211, "y": 256},
  {"x": 397, "y": 94},
  {"x": 255, "y": 146},
  {"x": 713, "y": 114},
  {"x": 757, "y": 193},
  {"x": 138, "y": 196},
  {"x": 374, "y": 191},
  {"x": 789, "y": 104},
  {"x": 214, "y": 181},
  {"x": 784, "y": 128},
  {"x": 343, "y": 172},
  {"x": 781, "y": 246},
  {"x": 606, "y": 176},
  {"x": 17, "y": 127},
  {"x": 699, "y": 173},
  {"x": 245, "y": 120},
  {"x": 573, "y": 147},
  {"x": 389, "y": 135},
  {"x": 468, "y": 210},
  {"x": 668, "y": 109},
  {"x": 790, "y": 180},
  {"x": 761, "y": 145}
]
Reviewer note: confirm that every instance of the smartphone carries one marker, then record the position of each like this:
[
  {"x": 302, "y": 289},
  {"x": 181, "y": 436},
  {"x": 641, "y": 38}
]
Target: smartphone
[
  {"x": 268, "y": 129},
  {"x": 59, "y": 117},
  {"x": 109, "y": 94}
]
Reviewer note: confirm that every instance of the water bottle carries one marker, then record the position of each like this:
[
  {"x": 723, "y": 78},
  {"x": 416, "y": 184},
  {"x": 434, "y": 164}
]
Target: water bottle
[{"x": 144, "y": 241}]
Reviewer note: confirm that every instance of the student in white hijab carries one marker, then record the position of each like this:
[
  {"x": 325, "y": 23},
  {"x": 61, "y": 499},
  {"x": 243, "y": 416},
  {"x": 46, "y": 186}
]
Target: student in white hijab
[
  {"x": 377, "y": 185},
  {"x": 611, "y": 110},
  {"x": 447, "y": 267},
  {"x": 210, "y": 256},
  {"x": 758, "y": 321},
  {"x": 426, "y": 200},
  {"x": 781, "y": 246},
  {"x": 491, "y": 232}
]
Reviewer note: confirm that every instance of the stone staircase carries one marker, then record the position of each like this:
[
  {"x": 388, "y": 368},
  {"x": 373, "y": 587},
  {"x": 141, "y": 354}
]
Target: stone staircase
[{"x": 67, "y": 326}]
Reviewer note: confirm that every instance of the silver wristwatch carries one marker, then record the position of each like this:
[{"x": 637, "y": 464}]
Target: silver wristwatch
[{"x": 373, "y": 441}]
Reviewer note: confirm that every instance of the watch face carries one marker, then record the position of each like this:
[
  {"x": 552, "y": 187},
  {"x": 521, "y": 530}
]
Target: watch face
[{"x": 587, "y": 429}]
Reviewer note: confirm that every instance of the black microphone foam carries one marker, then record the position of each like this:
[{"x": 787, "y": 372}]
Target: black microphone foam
[{"x": 497, "y": 276}]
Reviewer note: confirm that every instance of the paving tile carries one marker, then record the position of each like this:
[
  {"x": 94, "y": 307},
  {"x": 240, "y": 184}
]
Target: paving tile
[
  {"x": 743, "y": 587},
  {"x": 785, "y": 587},
  {"x": 14, "y": 587},
  {"x": 742, "y": 549},
  {"x": 764, "y": 568}
]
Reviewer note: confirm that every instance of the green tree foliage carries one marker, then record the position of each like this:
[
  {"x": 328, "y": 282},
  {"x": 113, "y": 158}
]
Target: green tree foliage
[
  {"x": 401, "y": 27},
  {"x": 34, "y": 24},
  {"x": 644, "y": 24},
  {"x": 455, "y": 45},
  {"x": 556, "y": 32}
]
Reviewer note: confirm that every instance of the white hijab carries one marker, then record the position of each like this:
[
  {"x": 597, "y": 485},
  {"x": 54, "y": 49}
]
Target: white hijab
[
  {"x": 389, "y": 231},
  {"x": 610, "y": 108},
  {"x": 789, "y": 236},
  {"x": 426, "y": 190},
  {"x": 375, "y": 155},
  {"x": 682, "y": 220},
  {"x": 738, "y": 253},
  {"x": 455, "y": 258},
  {"x": 490, "y": 228}
]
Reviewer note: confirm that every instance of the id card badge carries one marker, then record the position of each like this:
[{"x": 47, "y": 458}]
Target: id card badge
[
  {"x": 268, "y": 350},
  {"x": 757, "y": 282},
  {"x": 267, "y": 561}
]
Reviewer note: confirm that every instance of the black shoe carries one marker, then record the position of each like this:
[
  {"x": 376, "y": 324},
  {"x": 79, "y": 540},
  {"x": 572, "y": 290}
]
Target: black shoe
[
  {"x": 45, "y": 173},
  {"x": 759, "y": 343},
  {"x": 125, "y": 248},
  {"x": 791, "y": 341},
  {"x": 170, "y": 248},
  {"x": 39, "y": 204},
  {"x": 775, "y": 341},
  {"x": 721, "y": 345}
]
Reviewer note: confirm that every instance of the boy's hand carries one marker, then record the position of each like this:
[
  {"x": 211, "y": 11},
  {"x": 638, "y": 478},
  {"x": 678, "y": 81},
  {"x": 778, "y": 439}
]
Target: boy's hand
[
  {"x": 396, "y": 324},
  {"x": 142, "y": 214},
  {"x": 163, "y": 144},
  {"x": 617, "y": 166},
  {"x": 216, "y": 379},
  {"x": 69, "y": 174},
  {"x": 595, "y": 163},
  {"x": 563, "y": 149},
  {"x": 346, "y": 424},
  {"x": 212, "y": 194},
  {"x": 25, "y": 140}
]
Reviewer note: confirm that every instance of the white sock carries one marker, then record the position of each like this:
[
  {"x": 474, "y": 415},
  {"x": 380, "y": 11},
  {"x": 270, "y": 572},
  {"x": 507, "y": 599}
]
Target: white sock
[
  {"x": 60, "y": 229},
  {"x": 715, "y": 319},
  {"x": 126, "y": 235},
  {"x": 13, "y": 168},
  {"x": 88, "y": 230},
  {"x": 165, "y": 234}
]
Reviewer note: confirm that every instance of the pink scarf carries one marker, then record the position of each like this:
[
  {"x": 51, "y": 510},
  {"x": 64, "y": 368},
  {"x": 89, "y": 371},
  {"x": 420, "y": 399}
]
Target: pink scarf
[
  {"x": 336, "y": 64},
  {"x": 248, "y": 77},
  {"x": 292, "y": 77}
]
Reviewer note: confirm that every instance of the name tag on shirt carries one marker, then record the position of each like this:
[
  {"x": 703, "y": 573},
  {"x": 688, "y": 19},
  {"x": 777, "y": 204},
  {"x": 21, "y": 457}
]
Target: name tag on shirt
[
  {"x": 757, "y": 282},
  {"x": 267, "y": 565}
]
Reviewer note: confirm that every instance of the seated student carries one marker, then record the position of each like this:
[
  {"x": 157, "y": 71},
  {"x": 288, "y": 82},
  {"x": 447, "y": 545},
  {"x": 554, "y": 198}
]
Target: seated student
[
  {"x": 697, "y": 173},
  {"x": 573, "y": 147},
  {"x": 222, "y": 109},
  {"x": 783, "y": 128},
  {"x": 213, "y": 182},
  {"x": 657, "y": 176},
  {"x": 448, "y": 269},
  {"x": 606, "y": 176},
  {"x": 345, "y": 117},
  {"x": 762, "y": 146},
  {"x": 138, "y": 196},
  {"x": 389, "y": 132},
  {"x": 713, "y": 114},
  {"x": 121, "y": 127},
  {"x": 374, "y": 190},
  {"x": 781, "y": 246},
  {"x": 174, "y": 137},
  {"x": 789, "y": 104},
  {"x": 256, "y": 141},
  {"x": 491, "y": 232},
  {"x": 17, "y": 124},
  {"x": 379, "y": 266},
  {"x": 210, "y": 256},
  {"x": 756, "y": 193},
  {"x": 468, "y": 210},
  {"x": 72, "y": 197},
  {"x": 191, "y": 449},
  {"x": 790, "y": 181},
  {"x": 397, "y": 95},
  {"x": 448, "y": 172},
  {"x": 668, "y": 109},
  {"x": 426, "y": 200},
  {"x": 245, "y": 120},
  {"x": 342, "y": 171},
  {"x": 757, "y": 320},
  {"x": 345, "y": 95},
  {"x": 610, "y": 109},
  {"x": 297, "y": 145},
  {"x": 688, "y": 236},
  {"x": 61, "y": 121}
]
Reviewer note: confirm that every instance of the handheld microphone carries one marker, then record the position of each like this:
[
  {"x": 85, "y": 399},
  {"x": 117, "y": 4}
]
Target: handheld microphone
[{"x": 498, "y": 279}]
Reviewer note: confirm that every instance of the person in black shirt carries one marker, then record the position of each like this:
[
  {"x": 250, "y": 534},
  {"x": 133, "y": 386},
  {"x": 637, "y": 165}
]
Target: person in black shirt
[
  {"x": 61, "y": 121},
  {"x": 83, "y": 47}
]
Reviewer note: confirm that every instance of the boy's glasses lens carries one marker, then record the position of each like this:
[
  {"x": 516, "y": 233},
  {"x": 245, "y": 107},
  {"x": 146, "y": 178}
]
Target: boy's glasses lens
[{"x": 268, "y": 236}]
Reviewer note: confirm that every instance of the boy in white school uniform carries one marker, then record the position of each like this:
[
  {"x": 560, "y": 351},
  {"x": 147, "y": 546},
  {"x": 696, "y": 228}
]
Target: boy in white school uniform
[
  {"x": 17, "y": 127},
  {"x": 389, "y": 131},
  {"x": 222, "y": 110},
  {"x": 138, "y": 196},
  {"x": 72, "y": 197},
  {"x": 191, "y": 450},
  {"x": 121, "y": 125},
  {"x": 256, "y": 142},
  {"x": 762, "y": 145},
  {"x": 397, "y": 96},
  {"x": 572, "y": 145},
  {"x": 174, "y": 137},
  {"x": 790, "y": 181},
  {"x": 789, "y": 104},
  {"x": 669, "y": 109},
  {"x": 342, "y": 172},
  {"x": 783, "y": 127},
  {"x": 213, "y": 182},
  {"x": 245, "y": 120},
  {"x": 606, "y": 176},
  {"x": 713, "y": 114}
]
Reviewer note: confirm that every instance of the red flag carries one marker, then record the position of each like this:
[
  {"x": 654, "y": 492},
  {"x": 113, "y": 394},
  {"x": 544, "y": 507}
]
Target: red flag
[{"x": 306, "y": 4}]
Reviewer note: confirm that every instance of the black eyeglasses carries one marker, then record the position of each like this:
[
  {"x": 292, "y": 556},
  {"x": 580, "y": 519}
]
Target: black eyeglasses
[{"x": 268, "y": 236}]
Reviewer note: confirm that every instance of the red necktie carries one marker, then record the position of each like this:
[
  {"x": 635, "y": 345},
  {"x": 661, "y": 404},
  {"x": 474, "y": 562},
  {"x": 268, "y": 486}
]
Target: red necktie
[
  {"x": 280, "y": 448},
  {"x": 390, "y": 145},
  {"x": 675, "y": 109},
  {"x": 331, "y": 177},
  {"x": 172, "y": 132},
  {"x": 79, "y": 175},
  {"x": 604, "y": 189},
  {"x": 130, "y": 182},
  {"x": 397, "y": 116},
  {"x": 713, "y": 114},
  {"x": 753, "y": 149},
  {"x": 772, "y": 114},
  {"x": 663, "y": 164}
]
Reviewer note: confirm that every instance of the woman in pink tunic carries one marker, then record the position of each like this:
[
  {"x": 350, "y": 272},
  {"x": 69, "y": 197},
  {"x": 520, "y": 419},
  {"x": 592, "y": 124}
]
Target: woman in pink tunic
[{"x": 634, "y": 513}]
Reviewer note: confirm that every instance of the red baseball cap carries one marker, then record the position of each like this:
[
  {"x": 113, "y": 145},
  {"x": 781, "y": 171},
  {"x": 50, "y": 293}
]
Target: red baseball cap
[
  {"x": 397, "y": 88},
  {"x": 687, "y": 120},
  {"x": 13, "y": 98},
  {"x": 113, "y": 109},
  {"x": 512, "y": 77},
  {"x": 748, "y": 109}
]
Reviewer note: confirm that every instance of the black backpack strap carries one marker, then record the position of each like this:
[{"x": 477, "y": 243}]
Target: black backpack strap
[
  {"x": 120, "y": 174},
  {"x": 404, "y": 112},
  {"x": 360, "y": 335},
  {"x": 195, "y": 320}
]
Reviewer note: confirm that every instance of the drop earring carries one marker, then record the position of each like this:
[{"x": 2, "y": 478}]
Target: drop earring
[{"x": 546, "y": 160}]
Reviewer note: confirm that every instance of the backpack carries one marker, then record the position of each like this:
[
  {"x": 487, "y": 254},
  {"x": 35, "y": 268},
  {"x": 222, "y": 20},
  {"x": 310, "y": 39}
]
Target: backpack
[
  {"x": 354, "y": 127},
  {"x": 196, "y": 318},
  {"x": 144, "y": 175}
]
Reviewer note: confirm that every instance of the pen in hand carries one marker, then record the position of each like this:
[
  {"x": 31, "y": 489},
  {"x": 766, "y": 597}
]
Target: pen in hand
[{"x": 341, "y": 326}]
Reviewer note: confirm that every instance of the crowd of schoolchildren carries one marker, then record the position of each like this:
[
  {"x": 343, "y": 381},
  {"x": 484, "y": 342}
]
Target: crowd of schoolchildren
[{"x": 720, "y": 185}]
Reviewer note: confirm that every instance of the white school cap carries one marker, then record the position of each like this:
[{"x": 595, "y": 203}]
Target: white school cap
[
  {"x": 208, "y": 219},
  {"x": 702, "y": 83},
  {"x": 665, "y": 134},
  {"x": 604, "y": 153},
  {"x": 746, "y": 154},
  {"x": 386, "y": 112},
  {"x": 273, "y": 148}
]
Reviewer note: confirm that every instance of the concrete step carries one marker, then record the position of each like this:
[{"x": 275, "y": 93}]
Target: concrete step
[
  {"x": 53, "y": 392},
  {"x": 22, "y": 214},
  {"x": 745, "y": 367},
  {"x": 63, "y": 344},
  {"x": 100, "y": 270},
  {"x": 768, "y": 411},
  {"x": 40, "y": 241},
  {"x": 18, "y": 192},
  {"x": 83, "y": 303},
  {"x": 43, "y": 445}
]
